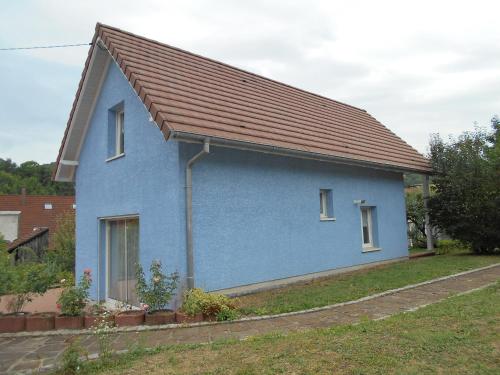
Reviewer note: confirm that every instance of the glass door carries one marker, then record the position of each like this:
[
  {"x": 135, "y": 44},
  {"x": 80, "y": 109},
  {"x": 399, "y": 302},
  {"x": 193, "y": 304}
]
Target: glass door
[{"x": 122, "y": 256}]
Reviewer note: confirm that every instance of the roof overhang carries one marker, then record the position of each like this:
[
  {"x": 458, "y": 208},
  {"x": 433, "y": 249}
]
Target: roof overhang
[
  {"x": 249, "y": 146},
  {"x": 83, "y": 108}
]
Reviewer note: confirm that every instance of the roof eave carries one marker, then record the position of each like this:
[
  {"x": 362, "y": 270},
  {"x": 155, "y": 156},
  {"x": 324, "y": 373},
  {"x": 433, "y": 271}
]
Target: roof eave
[{"x": 276, "y": 150}]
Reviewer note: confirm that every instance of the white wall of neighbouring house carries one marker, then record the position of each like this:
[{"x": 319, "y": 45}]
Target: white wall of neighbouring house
[{"x": 9, "y": 225}]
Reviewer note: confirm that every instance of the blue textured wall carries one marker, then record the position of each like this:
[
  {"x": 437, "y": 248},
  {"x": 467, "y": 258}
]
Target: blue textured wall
[
  {"x": 145, "y": 181},
  {"x": 256, "y": 216}
]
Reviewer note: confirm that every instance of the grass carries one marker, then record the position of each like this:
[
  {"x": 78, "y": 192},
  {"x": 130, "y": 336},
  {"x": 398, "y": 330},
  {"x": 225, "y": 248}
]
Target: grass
[
  {"x": 460, "y": 335},
  {"x": 361, "y": 283}
]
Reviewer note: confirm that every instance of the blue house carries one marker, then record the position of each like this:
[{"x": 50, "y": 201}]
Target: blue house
[{"x": 235, "y": 181}]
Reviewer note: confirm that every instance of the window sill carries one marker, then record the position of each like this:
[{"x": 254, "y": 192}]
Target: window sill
[
  {"x": 370, "y": 249},
  {"x": 327, "y": 219},
  {"x": 115, "y": 157}
]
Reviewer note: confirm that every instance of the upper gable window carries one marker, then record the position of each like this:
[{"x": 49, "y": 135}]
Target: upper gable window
[{"x": 116, "y": 132}]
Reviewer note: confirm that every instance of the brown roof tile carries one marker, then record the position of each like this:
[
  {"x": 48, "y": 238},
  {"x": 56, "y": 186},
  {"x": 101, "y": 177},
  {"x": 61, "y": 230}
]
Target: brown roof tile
[{"x": 189, "y": 93}]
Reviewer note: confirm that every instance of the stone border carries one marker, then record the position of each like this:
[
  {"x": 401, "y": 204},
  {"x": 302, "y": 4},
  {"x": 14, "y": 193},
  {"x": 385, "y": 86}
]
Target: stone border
[{"x": 253, "y": 318}]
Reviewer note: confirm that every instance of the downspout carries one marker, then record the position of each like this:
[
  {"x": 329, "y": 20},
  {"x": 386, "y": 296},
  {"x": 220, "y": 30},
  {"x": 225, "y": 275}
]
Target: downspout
[{"x": 189, "y": 211}]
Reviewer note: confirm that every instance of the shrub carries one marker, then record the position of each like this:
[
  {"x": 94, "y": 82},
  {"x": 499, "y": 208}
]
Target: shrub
[
  {"x": 210, "y": 304},
  {"x": 451, "y": 246},
  {"x": 73, "y": 298},
  {"x": 62, "y": 251},
  {"x": 157, "y": 293},
  {"x": 27, "y": 280}
]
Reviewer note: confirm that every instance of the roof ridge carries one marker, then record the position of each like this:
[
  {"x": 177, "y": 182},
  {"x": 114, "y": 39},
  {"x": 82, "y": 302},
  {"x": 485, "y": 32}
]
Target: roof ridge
[{"x": 99, "y": 25}]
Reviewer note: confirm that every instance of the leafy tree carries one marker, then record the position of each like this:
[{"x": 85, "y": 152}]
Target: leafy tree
[
  {"x": 466, "y": 203},
  {"x": 415, "y": 214},
  {"x": 36, "y": 178}
]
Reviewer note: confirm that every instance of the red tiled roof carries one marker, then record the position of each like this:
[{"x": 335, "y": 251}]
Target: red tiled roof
[
  {"x": 33, "y": 213},
  {"x": 188, "y": 93}
]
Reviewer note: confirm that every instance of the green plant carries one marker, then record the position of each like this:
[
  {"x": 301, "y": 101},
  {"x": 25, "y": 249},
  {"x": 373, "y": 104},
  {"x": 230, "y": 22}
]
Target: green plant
[
  {"x": 62, "y": 251},
  {"x": 71, "y": 359},
  {"x": 466, "y": 203},
  {"x": 157, "y": 293},
  {"x": 102, "y": 331},
  {"x": 27, "y": 280},
  {"x": 74, "y": 298},
  {"x": 227, "y": 313},
  {"x": 210, "y": 304},
  {"x": 451, "y": 246}
]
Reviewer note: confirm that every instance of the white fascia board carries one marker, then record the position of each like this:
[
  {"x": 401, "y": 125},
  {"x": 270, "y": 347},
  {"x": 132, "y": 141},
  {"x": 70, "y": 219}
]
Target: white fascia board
[{"x": 89, "y": 94}]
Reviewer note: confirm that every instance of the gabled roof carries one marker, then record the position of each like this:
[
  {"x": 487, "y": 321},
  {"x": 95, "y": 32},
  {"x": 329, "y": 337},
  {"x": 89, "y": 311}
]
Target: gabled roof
[{"x": 187, "y": 94}]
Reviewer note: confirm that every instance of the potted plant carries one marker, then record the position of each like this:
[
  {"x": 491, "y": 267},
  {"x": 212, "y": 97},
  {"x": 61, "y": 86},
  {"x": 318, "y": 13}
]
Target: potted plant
[
  {"x": 191, "y": 310},
  {"x": 72, "y": 302},
  {"x": 25, "y": 281},
  {"x": 156, "y": 294},
  {"x": 44, "y": 321},
  {"x": 96, "y": 314}
]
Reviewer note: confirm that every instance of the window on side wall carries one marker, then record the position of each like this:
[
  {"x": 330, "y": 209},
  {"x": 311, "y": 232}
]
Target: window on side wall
[
  {"x": 325, "y": 205},
  {"x": 116, "y": 132},
  {"x": 367, "y": 227}
]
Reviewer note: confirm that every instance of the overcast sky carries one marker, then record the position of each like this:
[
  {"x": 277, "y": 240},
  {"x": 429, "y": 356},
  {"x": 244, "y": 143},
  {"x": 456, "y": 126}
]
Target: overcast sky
[{"x": 419, "y": 67}]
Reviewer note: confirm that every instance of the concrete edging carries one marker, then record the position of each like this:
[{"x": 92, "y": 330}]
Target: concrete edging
[{"x": 253, "y": 318}]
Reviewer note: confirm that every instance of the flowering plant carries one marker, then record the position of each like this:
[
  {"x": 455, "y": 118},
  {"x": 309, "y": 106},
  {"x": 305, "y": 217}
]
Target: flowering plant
[
  {"x": 73, "y": 298},
  {"x": 157, "y": 293}
]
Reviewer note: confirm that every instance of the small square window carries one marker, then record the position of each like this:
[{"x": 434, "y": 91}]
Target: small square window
[
  {"x": 325, "y": 204},
  {"x": 48, "y": 206}
]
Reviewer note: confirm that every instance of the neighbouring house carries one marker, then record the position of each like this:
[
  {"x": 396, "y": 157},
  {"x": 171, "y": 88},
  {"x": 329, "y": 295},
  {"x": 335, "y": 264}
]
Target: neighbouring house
[
  {"x": 235, "y": 181},
  {"x": 30, "y": 220}
]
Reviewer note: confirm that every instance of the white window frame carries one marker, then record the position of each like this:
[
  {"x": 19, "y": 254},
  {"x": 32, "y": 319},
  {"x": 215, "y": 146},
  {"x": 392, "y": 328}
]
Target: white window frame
[
  {"x": 325, "y": 195},
  {"x": 323, "y": 204},
  {"x": 119, "y": 129},
  {"x": 369, "y": 210},
  {"x": 110, "y": 302}
]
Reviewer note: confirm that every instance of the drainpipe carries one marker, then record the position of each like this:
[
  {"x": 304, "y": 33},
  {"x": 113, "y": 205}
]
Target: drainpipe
[{"x": 189, "y": 211}]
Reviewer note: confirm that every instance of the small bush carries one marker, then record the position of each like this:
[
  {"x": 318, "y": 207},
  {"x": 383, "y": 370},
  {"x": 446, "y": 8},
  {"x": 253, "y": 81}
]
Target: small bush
[
  {"x": 451, "y": 246},
  {"x": 210, "y": 304},
  {"x": 73, "y": 298},
  {"x": 25, "y": 281},
  {"x": 157, "y": 293},
  {"x": 71, "y": 362},
  {"x": 62, "y": 251}
]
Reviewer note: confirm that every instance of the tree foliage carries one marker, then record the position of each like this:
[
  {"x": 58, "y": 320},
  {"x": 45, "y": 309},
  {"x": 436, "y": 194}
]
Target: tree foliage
[
  {"x": 415, "y": 214},
  {"x": 36, "y": 178},
  {"x": 62, "y": 251},
  {"x": 466, "y": 203}
]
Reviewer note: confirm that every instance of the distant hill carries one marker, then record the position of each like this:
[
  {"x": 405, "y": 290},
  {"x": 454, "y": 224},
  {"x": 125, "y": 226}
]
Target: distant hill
[{"x": 36, "y": 178}]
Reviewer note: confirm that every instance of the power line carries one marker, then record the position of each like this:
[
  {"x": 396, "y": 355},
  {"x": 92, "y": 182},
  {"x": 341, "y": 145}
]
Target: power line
[{"x": 45, "y": 47}]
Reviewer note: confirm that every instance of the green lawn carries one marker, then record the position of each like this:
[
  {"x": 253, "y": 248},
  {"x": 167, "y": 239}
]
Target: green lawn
[
  {"x": 361, "y": 283},
  {"x": 460, "y": 335}
]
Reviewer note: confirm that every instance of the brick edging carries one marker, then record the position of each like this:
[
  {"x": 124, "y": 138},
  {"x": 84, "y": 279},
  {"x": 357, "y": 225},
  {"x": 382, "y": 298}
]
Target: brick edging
[{"x": 247, "y": 319}]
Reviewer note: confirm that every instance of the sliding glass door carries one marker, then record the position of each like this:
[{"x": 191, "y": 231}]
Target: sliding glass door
[{"x": 122, "y": 256}]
